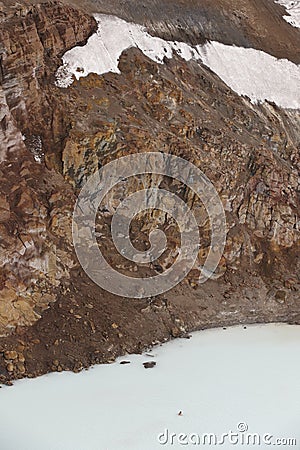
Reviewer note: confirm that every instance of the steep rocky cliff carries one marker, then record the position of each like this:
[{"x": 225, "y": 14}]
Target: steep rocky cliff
[
  {"x": 52, "y": 139},
  {"x": 31, "y": 120}
]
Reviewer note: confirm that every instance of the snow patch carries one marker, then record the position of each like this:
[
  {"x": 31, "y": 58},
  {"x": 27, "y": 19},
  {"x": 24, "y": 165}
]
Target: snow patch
[
  {"x": 102, "y": 52},
  {"x": 254, "y": 73},
  {"x": 249, "y": 72},
  {"x": 293, "y": 8},
  {"x": 35, "y": 146}
]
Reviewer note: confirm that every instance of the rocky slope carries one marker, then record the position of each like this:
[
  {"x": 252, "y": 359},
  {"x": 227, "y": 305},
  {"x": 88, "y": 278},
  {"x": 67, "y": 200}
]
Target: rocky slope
[
  {"x": 52, "y": 317},
  {"x": 31, "y": 43},
  {"x": 249, "y": 23}
]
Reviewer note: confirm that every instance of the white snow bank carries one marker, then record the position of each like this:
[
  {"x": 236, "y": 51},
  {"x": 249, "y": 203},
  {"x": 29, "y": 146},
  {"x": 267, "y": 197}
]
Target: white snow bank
[
  {"x": 293, "y": 8},
  {"x": 102, "y": 52},
  {"x": 249, "y": 72},
  {"x": 218, "y": 379},
  {"x": 254, "y": 73}
]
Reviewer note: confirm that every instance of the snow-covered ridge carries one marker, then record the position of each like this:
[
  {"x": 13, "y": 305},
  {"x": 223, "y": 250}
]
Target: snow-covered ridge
[
  {"x": 249, "y": 72},
  {"x": 293, "y": 8}
]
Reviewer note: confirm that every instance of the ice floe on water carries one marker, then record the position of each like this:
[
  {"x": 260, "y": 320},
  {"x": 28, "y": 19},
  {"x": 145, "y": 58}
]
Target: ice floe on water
[
  {"x": 244, "y": 381},
  {"x": 249, "y": 72},
  {"x": 293, "y": 8}
]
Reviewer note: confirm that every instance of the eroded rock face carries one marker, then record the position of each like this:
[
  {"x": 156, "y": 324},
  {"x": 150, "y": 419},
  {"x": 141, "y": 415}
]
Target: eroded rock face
[
  {"x": 249, "y": 152},
  {"x": 31, "y": 43},
  {"x": 53, "y": 139},
  {"x": 35, "y": 204},
  {"x": 35, "y": 239}
]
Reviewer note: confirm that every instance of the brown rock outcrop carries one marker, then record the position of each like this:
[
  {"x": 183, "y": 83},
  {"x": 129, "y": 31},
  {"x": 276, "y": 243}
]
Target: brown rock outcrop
[
  {"x": 34, "y": 235},
  {"x": 53, "y": 139},
  {"x": 31, "y": 43}
]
